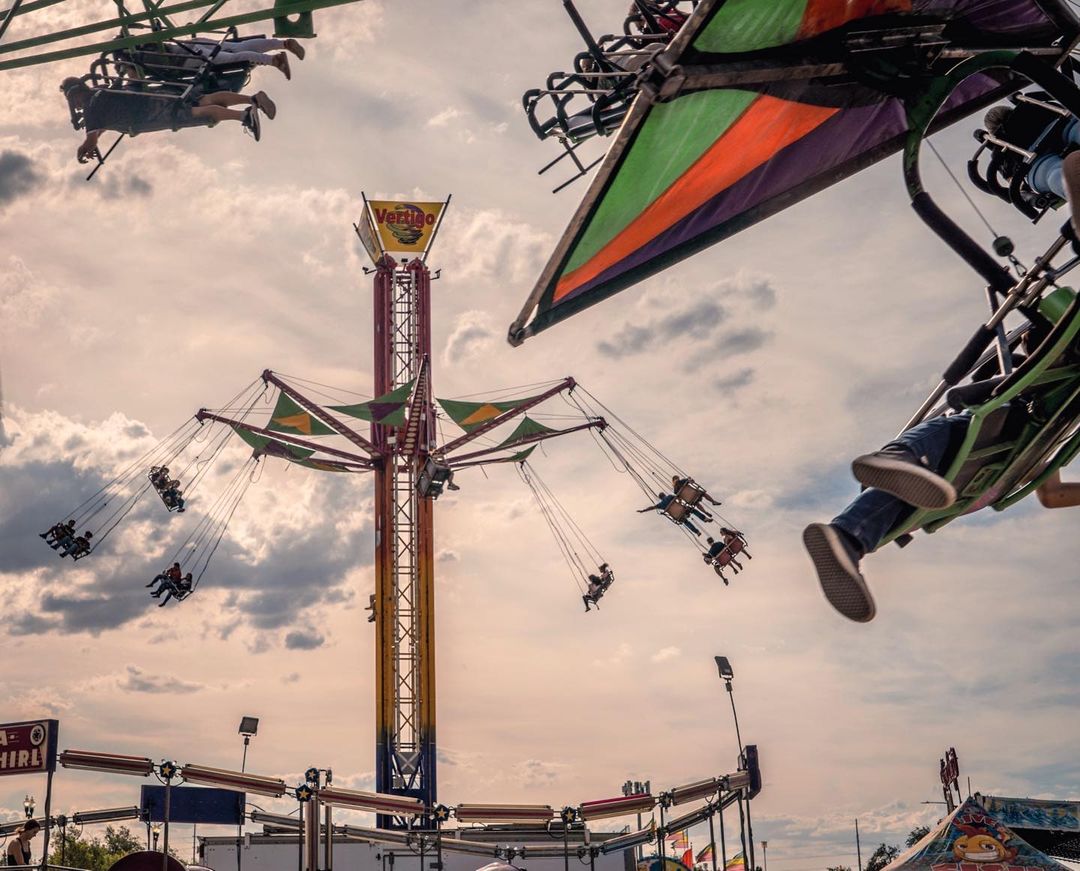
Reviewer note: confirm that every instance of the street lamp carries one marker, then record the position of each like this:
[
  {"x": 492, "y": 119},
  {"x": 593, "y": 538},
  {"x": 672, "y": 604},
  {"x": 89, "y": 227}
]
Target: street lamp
[
  {"x": 249, "y": 726},
  {"x": 726, "y": 674},
  {"x": 28, "y": 806},
  {"x": 765, "y": 854},
  {"x": 156, "y": 829}
]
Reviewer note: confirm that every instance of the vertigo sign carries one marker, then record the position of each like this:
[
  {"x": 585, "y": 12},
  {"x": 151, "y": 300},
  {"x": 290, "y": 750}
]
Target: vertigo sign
[
  {"x": 28, "y": 748},
  {"x": 405, "y": 226}
]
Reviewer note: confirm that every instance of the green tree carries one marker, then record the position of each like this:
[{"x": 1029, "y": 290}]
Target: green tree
[
  {"x": 93, "y": 854},
  {"x": 839, "y": 868},
  {"x": 916, "y": 835},
  {"x": 882, "y": 856}
]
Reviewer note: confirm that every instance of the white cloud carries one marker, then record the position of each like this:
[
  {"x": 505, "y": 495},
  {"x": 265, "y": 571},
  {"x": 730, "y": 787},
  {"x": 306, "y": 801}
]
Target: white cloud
[{"x": 664, "y": 654}]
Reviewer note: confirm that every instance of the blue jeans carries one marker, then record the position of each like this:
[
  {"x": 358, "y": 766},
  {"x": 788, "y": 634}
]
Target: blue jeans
[
  {"x": 1045, "y": 175},
  {"x": 874, "y": 512}
]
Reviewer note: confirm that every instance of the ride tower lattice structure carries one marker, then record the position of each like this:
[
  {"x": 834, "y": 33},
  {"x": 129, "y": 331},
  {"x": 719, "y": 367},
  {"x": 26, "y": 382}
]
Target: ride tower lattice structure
[
  {"x": 404, "y": 607},
  {"x": 410, "y": 468}
]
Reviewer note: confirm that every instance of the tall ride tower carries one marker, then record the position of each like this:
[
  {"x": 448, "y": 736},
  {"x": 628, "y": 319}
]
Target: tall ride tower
[{"x": 404, "y": 576}]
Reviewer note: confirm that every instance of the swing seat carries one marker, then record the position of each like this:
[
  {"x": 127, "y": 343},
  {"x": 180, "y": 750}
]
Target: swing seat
[
  {"x": 690, "y": 493},
  {"x": 676, "y": 511},
  {"x": 1024, "y": 427}
]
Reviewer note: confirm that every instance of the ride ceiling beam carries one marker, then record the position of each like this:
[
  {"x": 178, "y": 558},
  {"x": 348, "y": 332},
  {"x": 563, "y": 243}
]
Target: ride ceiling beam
[
  {"x": 189, "y": 29},
  {"x": 458, "y": 462},
  {"x": 566, "y": 384},
  {"x": 324, "y": 416},
  {"x": 203, "y": 414}
]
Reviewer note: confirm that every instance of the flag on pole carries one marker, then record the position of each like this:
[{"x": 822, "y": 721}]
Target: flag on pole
[
  {"x": 679, "y": 840},
  {"x": 736, "y": 862},
  {"x": 688, "y": 858},
  {"x": 705, "y": 855}
]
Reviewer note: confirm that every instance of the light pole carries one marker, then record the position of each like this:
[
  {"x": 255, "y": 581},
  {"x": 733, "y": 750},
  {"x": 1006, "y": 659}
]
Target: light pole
[
  {"x": 156, "y": 829},
  {"x": 765, "y": 854},
  {"x": 28, "y": 806},
  {"x": 726, "y": 674},
  {"x": 249, "y": 727}
]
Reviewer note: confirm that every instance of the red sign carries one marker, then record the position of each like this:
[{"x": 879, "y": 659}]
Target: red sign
[{"x": 28, "y": 748}]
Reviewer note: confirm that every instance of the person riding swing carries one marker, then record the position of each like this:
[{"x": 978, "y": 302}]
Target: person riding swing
[
  {"x": 132, "y": 112},
  {"x": 598, "y": 585}
]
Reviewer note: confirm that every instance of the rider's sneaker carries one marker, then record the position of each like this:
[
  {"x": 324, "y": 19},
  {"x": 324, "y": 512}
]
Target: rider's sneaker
[
  {"x": 898, "y": 471},
  {"x": 837, "y": 564},
  {"x": 251, "y": 122}
]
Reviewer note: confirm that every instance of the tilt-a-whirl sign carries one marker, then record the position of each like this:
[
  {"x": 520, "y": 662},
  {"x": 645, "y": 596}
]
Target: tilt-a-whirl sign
[
  {"x": 28, "y": 747},
  {"x": 398, "y": 226}
]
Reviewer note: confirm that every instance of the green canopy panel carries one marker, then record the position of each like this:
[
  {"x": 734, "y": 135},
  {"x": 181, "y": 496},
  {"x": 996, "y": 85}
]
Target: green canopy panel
[
  {"x": 290, "y": 417},
  {"x": 473, "y": 415},
  {"x": 388, "y": 410},
  {"x": 264, "y": 445},
  {"x": 526, "y": 429},
  {"x": 330, "y": 466}
]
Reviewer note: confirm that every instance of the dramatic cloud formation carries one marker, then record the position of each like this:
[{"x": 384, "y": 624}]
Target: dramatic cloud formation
[
  {"x": 18, "y": 176},
  {"x": 195, "y": 260}
]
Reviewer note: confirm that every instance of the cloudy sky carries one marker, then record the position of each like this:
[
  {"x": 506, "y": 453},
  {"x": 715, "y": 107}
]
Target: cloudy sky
[{"x": 198, "y": 259}]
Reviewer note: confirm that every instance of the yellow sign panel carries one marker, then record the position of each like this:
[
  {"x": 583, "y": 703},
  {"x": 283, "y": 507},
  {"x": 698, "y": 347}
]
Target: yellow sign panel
[{"x": 405, "y": 226}]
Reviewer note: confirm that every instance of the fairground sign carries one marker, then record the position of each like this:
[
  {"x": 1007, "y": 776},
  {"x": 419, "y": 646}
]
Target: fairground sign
[
  {"x": 399, "y": 226},
  {"x": 28, "y": 748}
]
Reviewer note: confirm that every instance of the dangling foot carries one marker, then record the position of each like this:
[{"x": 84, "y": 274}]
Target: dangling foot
[
  {"x": 281, "y": 62},
  {"x": 251, "y": 122},
  {"x": 897, "y": 471},
  {"x": 452, "y": 486},
  {"x": 265, "y": 105},
  {"x": 296, "y": 48},
  {"x": 837, "y": 564}
]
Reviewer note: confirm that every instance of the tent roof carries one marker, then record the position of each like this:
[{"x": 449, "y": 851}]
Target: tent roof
[
  {"x": 1048, "y": 825},
  {"x": 973, "y": 839}
]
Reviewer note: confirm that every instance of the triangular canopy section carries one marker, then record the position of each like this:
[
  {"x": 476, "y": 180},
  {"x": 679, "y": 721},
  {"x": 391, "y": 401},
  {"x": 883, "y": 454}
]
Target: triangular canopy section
[
  {"x": 974, "y": 839},
  {"x": 388, "y": 409},
  {"x": 526, "y": 429},
  {"x": 472, "y": 415},
  {"x": 290, "y": 417},
  {"x": 755, "y": 105},
  {"x": 272, "y": 447}
]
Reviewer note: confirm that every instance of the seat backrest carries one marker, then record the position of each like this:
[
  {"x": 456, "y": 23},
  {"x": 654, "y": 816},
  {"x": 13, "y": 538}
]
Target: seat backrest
[
  {"x": 690, "y": 493},
  {"x": 676, "y": 510}
]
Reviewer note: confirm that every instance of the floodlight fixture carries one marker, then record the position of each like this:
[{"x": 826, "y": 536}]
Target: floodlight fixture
[
  {"x": 372, "y": 801},
  {"x": 504, "y": 813},
  {"x": 617, "y": 807},
  {"x": 249, "y": 727},
  {"x": 724, "y": 667},
  {"x": 111, "y": 763},
  {"x": 271, "y": 786},
  {"x": 698, "y": 789},
  {"x": 106, "y": 815}
]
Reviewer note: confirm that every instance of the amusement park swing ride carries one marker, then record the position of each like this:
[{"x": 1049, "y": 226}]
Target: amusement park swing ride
[
  {"x": 718, "y": 115},
  {"x": 411, "y": 466}
]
